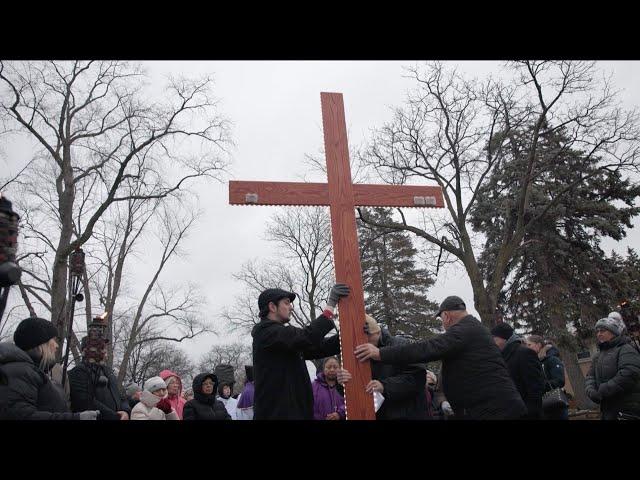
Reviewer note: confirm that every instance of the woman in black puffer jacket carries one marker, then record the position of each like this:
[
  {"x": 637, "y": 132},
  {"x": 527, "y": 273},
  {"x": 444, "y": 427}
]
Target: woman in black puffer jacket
[
  {"x": 613, "y": 380},
  {"x": 29, "y": 393},
  {"x": 204, "y": 405}
]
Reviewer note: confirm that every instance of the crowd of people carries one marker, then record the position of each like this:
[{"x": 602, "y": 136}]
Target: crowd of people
[
  {"x": 484, "y": 374},
  {"x": 30, "y": 389}
]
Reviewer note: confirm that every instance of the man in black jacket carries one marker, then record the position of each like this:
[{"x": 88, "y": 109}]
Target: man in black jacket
[
  {"x": 402, "y": 386},
  {"x": 94, "y": 387},
  {"x": 524, "y": 367},
  {"x": 475, "y": 379},
  {"x": 282, "y": 384}
]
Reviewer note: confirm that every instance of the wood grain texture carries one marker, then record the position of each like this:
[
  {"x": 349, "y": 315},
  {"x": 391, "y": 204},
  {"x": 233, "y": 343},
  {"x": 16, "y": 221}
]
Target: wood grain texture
[
  {"x": 346, "y": 255},
  {"x": 300, "y": 193},
  {"x": 279, "y": 193}
]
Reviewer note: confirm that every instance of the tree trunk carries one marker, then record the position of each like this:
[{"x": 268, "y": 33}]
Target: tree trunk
[
  {"x": 59, "y": 291},
  {"x": 576, "y": 378},
  {"x": 485, "y": 305},
  {"x": 122, "y": 371},
  {"x": 59, "y": 298}
]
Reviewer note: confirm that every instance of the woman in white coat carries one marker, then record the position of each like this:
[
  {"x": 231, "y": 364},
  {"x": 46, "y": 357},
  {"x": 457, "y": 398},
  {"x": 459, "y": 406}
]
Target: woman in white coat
[{"x": 153, "y": 404}]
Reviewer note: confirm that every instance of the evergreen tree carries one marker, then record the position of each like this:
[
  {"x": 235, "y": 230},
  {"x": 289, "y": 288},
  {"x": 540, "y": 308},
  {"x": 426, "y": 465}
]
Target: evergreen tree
[
  {"x": 561, "y": 281},
  {"x": 395, "y": 287}
]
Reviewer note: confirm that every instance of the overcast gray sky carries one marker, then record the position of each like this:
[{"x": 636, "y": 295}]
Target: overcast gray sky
[{"x": 275, "y": 110}]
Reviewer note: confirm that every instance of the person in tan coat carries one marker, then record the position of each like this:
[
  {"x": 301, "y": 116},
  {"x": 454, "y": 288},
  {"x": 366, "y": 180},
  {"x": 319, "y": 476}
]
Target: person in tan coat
[{"x": 154, "y": 404}]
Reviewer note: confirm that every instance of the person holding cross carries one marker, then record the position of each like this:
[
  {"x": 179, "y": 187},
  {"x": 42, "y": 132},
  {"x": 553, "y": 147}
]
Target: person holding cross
[
  {"x": 401, "y": 385},
  {"x": 282, "y": 384},
  {"x": 475, "y": 379}
]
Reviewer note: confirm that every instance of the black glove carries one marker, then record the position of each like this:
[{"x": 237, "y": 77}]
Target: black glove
[
  {"x": 338, "y": 291},
  {"x": 594, "y": 395}
]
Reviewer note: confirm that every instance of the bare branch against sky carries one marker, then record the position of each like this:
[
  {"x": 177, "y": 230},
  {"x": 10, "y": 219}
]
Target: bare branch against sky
[{"x": 274, "y": 110}]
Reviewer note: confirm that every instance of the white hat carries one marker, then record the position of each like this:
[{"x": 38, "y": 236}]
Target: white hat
[
  {"x": 615, "y": 315},
  {"x": 154, "y": 383}
]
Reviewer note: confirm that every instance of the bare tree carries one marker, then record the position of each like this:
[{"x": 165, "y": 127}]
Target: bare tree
[
  {"x": 304, "y": 267},
  {"x": 456, "y": 132},
  {"x": 149, "y": 359},
  {"x": 235, "y": 354},
  {"x": 117, "y": 237},
  {"x": 100, "y": 136},
  {"x": 161, "y": 313}
]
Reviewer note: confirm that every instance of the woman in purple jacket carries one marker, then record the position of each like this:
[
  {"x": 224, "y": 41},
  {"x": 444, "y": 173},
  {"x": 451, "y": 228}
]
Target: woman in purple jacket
[{"x": 328, "y": 404}]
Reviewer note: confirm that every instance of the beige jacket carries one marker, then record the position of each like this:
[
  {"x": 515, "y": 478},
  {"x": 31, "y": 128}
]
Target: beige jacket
[{"x": 146, "y": 409}]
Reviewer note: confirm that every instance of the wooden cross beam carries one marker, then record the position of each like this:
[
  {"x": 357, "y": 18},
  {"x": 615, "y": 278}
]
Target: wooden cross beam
[{"x": 342, "y": 197}]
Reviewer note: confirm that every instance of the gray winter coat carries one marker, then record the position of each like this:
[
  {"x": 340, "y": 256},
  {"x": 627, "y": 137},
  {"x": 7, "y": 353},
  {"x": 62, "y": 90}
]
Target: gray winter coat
[{"x": 614, "y": 378}]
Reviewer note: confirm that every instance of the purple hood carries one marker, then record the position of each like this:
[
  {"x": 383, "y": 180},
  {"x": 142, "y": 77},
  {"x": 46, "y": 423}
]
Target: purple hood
[{"x": 246, "y": 397}]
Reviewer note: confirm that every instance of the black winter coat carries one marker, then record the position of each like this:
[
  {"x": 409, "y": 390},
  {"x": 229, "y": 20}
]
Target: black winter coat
[
  {"x": 29, "y": 393},
  {"x": 615, "y": 376},
  {"x": 553, "y": 369},
  {"x": 526, "y": 372},
  {"x": 204, "y": 407},
  {"x": 282, "y": 384},
  {"x": 94, "y": 387},
  {"x": 475, "y": 379},
  {"x": 404, "y": 386}
]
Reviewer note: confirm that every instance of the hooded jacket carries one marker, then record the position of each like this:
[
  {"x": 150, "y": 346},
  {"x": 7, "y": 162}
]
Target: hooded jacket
[
  {"x": 475, "y": 379},
  {"x": 282, "y": 383},
  {"x": 326, "y": 399},
  {"x": 177, "y": 402},
  {"x": 229, "y": 403},
  {"x": 615, "y": 376},
  {"x": 553, "y": 368},
  {"x": 146, "y": 409},
  {"x": 244, "y": 409},
  {"x": 28, "y": 392},
  {"x": 205, "y": 407}
]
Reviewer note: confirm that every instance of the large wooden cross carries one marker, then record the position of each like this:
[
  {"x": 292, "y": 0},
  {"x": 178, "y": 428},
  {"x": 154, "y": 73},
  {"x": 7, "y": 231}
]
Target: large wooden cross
[{"x": 342, "y": 197}]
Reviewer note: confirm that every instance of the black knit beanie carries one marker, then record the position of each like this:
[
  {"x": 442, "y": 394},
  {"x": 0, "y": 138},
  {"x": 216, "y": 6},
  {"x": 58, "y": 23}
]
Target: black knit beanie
[
  {"x": 502, "y": 330},
  {"x": 32, "y": 332}
]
